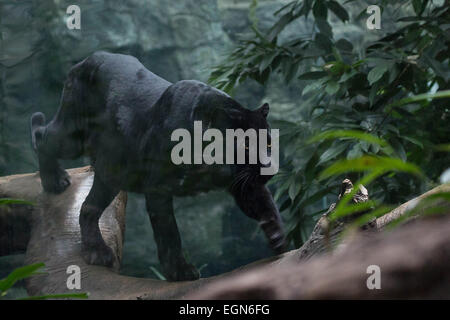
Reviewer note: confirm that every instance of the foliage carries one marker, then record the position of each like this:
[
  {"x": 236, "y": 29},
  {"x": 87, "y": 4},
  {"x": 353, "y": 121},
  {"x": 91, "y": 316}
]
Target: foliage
[
  {"x": 29, "y": 271},
  {"x": 8, "y": 201},
  {"x": 434, "y": 204},
  {"x": 380, "y": 106},
  {"x": 158, "y": 274}
]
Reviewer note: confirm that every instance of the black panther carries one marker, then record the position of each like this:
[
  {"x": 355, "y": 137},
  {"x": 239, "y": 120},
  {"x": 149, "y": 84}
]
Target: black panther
[{"x": 122, "y": 115}]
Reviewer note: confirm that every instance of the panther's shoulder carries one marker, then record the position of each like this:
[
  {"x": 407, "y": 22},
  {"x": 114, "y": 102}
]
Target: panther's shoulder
[
  {"x": 194, "y": 89},
  {"x": 203, "y": 100}
]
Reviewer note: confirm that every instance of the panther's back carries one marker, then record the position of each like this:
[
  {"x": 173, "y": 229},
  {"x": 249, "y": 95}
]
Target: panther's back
[{"x": 122, "y": 79}]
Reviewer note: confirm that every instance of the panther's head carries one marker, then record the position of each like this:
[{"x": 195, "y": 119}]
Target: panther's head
[
  {"x": 249, "y": 179},
  {"x": 256, "y": 146}
]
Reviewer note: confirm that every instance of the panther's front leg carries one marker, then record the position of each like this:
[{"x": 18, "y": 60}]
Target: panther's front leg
[
  {"x": 167, "y": 237},
  {"x": 94, "y": 250},
  {"x": 256, "y": 202}
]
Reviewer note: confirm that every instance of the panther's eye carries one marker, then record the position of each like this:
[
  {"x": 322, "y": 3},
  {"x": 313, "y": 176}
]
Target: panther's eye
[{"x": 269, "y": 146}]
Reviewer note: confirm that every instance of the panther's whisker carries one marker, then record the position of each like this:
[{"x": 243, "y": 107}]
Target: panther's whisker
[
  {"x": 238, "y": 180},
  {"x": 244, "y": 184}
]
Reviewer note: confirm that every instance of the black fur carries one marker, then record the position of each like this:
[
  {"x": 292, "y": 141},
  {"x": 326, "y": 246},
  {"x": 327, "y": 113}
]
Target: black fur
[{"x": 122, "y": 115}]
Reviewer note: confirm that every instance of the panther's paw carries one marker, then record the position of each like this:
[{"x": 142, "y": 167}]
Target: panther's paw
[
  {"x": 101, "y": 255},
  {"x": 184, "y": 272},
  {"x": 55, "y": 182}
]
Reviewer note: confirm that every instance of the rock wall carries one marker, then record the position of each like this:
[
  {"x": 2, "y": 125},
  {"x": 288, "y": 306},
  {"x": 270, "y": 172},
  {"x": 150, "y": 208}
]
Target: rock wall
[
  {"x": 175, "y": 39},
  {"x": 180, "y": 39}
]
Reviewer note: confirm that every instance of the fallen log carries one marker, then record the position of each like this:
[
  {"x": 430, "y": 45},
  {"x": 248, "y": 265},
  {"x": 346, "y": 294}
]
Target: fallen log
[
  {"x": 413, "y": 262},
  {"x": 54, "y": 238},
  {"x": 324, "y": 236},
  {"x": 52, "y": 232}
]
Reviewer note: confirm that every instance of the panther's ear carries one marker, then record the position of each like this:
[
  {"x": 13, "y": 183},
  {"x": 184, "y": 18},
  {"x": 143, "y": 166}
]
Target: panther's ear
[{"x": 264, "y": 109}]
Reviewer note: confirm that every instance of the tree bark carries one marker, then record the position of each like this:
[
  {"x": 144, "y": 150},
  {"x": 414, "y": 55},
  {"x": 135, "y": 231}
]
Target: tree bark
[
  {"x": 54, "y": 238},
  {"x": 413, "y": 262},
  {"x": 414, "y": 259},
  {"x": 324, "y": 237}
]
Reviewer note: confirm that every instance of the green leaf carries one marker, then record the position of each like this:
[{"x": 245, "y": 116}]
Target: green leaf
[
  {"x": 354, "y": 134},
  {"x": 376, "y": 73},
  {"x": 290, "y": 4},
  {"x": 443, "y": 147},
  {"x": 323, "y": 42},
  {"x": 320, "y": 10},
  {"x": 59, "y": 296},
  {"x": 373, "y": 93},
  {"x": 294, "y": 189},
  {"x": 283, "y": 187},
  {"x": 348, "y": 75},
  {"x": 369, "y": 163},
  {"x": 375, "y": 148},
  {"x": 393, "y": 73},
  {"x": 19, "y": 274},
  {"x": 311, "y": 167},
  {"x": 332, "y": 87},
  {"x": 252, "y": 13},
  {"x": 376, "y": 213},
  {"x": 6, "y": 201},
  {"x": 306, "y": 8},
  {"x": 351, "y": 209},
  {"x": 312, "y": 87},
  {"x": 293, "y": 71},
  {"x": 338, "y": 10},
  {"x": 420, "y": 97},
  {"x": 316, "y": 196},
  {"x": 344, "y": 45},
  {"x": 324, "y": 27},
  {"x": 267, "y": 60},
  {"x": 415, "y": 141},
  {"x": 419, "y": 6},
  {"x": 437, "y": 67},
  {"x": 332, "y": 152},
  {"x": 314, "y": 75},
  {"x": 279, "y": 26},
  {"x": 399, "y": 150},
  {"x": 355, "y": 152},
  {"x": 157, "y": 273}
]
